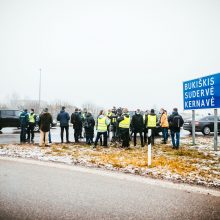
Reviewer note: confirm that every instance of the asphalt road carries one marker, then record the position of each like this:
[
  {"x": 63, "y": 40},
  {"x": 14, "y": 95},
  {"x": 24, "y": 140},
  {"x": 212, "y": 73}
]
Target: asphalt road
[{"x": 36, "y": 191}]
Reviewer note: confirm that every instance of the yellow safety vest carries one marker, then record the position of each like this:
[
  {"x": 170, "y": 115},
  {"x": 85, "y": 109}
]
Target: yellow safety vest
[
  {"x": 32, "y": 118},
  {"x": 102, "y": 127},
  {"x": 113, "y": 120},
  {"x": 125, "y": 123},
  {"x": 152, "y": 121}
]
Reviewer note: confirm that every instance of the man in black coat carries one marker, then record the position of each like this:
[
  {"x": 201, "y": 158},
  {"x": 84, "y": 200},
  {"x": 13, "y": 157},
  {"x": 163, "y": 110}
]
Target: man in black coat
[
  {"x": 89, "y": 125},
  {"x": 76, "y": 120},
  {"x": 137, "y": 125}
]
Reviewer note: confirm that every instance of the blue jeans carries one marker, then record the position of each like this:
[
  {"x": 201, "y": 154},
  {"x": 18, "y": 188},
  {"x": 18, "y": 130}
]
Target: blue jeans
[
  {"x": 49, "y": 137},
  {"x": 165, "y": 134},
  {"x": 176, "y": 143}
]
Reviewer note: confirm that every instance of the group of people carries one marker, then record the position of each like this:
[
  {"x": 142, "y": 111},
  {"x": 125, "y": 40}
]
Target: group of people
[
  {"x": 28, "y": 122},
  {"x": 117, "y": 122}
]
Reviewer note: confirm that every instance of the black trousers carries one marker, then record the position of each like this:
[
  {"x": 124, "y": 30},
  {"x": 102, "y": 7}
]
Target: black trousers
[
  {"x": 23, "y": 133},
  {"x": 77, "y": 132},
  {"x": 135, "y": 137},
  {"x": 105, "y": 135},
  {"x": 30, "y": 131},
  {"x": 125, "y": 136},
  {"x": 66, "y": 128},
  {"x": 145, "y": 135}
]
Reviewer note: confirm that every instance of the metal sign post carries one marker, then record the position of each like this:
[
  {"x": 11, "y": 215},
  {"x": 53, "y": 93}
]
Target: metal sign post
[
  {"x": 215, "y": 129},
  {"x": 193, "y": 128}
]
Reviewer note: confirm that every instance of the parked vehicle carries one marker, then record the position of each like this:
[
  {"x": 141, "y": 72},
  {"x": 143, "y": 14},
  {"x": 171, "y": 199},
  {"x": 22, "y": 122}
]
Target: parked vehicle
[
  {"x": 9, "y": 118},
  {"x": 204, "y": 125}
]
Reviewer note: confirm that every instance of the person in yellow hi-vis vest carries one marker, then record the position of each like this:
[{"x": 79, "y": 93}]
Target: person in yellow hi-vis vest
[
  {"x": 151, "y": 125},
  {"x": 124, "y": 127},
  {"x": 31, "y": 125},
  {"x": 102, "y": 128}
]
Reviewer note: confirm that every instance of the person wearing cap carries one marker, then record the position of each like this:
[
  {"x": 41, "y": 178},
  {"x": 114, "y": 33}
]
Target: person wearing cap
[
  {"x": 63, "y": 117},
  {"x": 45, "y": 121},
  {"x": 151, "y": 125},
  {"x": 137, "y": 125},
  {"x": 124, "y": 126},
  {"x": 23, "y": 118},
  {"x": 76, "y": 120},
  {"x": 31, "y": 125}
]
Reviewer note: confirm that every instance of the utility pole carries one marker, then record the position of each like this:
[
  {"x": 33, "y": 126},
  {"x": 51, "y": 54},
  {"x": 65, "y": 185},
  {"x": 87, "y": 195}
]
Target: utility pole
[{"x": 39, "y": 101}]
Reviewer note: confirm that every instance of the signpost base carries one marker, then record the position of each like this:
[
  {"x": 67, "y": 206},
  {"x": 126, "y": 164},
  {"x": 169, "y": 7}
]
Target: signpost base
[{"x": 215, "y": 129}]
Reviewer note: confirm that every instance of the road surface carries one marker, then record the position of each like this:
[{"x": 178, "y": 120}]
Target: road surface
[{"x": 43, "y": 191}]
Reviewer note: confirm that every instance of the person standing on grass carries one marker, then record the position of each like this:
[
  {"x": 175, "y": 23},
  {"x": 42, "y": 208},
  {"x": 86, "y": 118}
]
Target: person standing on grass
[
  {"x": 24, "y": 119},
  {"x": 31, "y": 125},
  {"x": 175, "y": 123},
  {"x": 45, "y": 121},
  {"x": 151, "y": 126},
  {"x": 145, "y": 125},
  {"x": 102, "y": 128},
  {"x": 137, "y": 125},
  {"x": 76, "y": 120},
  {"x": 124, "y": 126},
  {"x": 164, "y": 125},
  {"x": 63, "y": 117},
  {"x": 89, "y": 125}
]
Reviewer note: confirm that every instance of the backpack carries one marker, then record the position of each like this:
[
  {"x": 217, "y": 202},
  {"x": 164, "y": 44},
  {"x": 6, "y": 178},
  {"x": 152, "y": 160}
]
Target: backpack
[{"x": 177, "y": 121}]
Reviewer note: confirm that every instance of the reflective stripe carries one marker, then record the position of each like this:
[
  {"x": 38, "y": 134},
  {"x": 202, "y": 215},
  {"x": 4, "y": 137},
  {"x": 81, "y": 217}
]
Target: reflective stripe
[
  {"x": 152, "y": 121},
  {"x": 125, "y": 123},
  {"x": 32, "y": 118},
  {"x": 102, "y": 127}
]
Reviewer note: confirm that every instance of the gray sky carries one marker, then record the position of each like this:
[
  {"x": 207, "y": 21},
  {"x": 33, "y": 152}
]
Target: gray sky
[{"x": 123, "y": 53}]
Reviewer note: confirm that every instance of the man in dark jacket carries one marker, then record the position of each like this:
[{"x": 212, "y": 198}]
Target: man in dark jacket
[
  {"x": 137, "y": 125},
  {"x": 175, "y": 123},
  {"x": 89, "y": 125},
  {"x": 24, "y": 124},
  {"x": 45, "y": 121},
  {"x": 76, "y": 120},
  {"x": 63, "y": 117}
]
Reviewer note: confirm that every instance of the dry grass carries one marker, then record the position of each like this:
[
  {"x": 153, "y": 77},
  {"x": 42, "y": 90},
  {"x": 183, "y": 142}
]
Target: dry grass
[{"x": 183, "y": 162}]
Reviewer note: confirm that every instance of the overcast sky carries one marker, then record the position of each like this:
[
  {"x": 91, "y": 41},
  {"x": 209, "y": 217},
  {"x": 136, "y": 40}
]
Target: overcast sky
[{"x": 123, "y": 53}]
